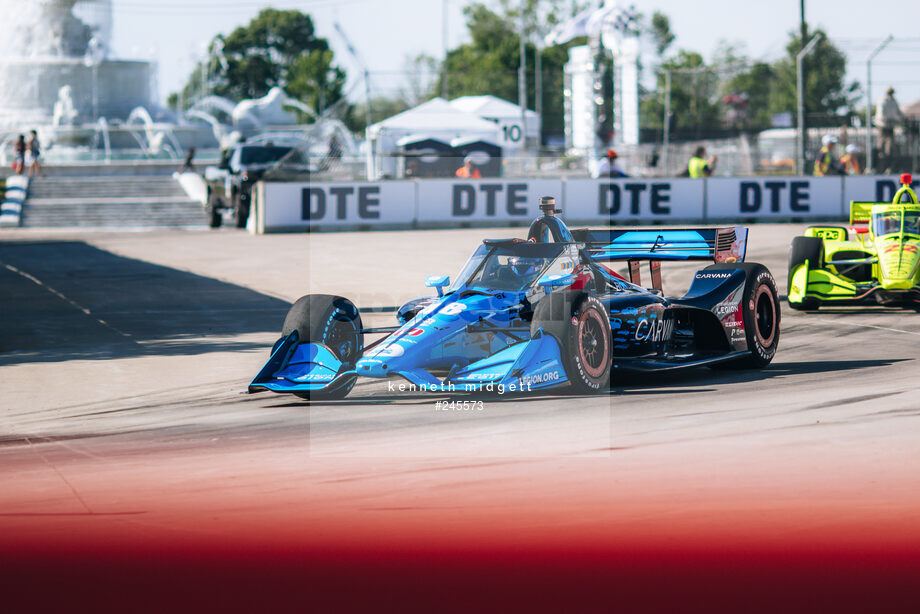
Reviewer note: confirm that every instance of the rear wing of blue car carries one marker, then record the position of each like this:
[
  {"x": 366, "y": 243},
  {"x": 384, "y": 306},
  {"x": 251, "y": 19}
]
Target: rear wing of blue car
[{"x": 727, "y": 244}]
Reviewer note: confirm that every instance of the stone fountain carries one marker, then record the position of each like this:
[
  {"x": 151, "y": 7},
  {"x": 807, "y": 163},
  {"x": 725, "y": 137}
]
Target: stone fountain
[
  {"x": 49, "y": 45},
  {"x": 58, "y": 76}
]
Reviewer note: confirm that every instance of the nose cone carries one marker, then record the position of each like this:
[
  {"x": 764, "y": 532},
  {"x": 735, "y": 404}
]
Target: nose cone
[
  {"x": 898, "y": 263},
  {"x": 382, "y": 360},
  {"x": 372, "y": 368},
  {"x": 421, "y": 342}
]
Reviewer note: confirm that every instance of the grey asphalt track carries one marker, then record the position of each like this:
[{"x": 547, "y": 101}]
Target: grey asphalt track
[{"x": 124, "y": 358}]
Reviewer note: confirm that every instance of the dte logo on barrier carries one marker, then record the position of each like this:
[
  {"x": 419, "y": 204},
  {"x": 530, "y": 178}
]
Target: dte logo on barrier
[
  {"x": 885, "y": 189},
  {"x": 313, "y": 202},
  {"x": 610, "y": 198},
  {"x": 751, "y": 197},
  {"x": 464, "y": 200}
]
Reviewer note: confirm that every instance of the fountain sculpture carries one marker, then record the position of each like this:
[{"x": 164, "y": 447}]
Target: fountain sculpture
[
  {"x": 51, "y": 44},
  {"x": 57, "y": 76}
]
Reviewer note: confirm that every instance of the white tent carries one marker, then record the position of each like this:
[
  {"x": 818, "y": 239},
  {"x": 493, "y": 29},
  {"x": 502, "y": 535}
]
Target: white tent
[
  {"x": 436, "y": 119},
  {"x": 502, "y": 112}
]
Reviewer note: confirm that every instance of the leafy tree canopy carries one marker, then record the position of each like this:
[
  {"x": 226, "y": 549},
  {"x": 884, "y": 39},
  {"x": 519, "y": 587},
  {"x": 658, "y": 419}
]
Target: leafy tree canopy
[
  {"x": 826, "y": 90},
  {"x": 488, "y": 64},
  {"x": 731, "y": 92},
  {"x": 277, "y": 48}
]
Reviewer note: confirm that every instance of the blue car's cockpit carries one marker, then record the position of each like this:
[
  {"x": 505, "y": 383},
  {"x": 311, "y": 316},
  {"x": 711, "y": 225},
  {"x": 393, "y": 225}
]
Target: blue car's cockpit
[{"x": 514, "y": 266}]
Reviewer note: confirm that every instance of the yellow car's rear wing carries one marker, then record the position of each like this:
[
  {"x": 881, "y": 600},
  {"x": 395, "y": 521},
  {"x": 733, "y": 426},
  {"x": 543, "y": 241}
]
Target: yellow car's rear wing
[{"x": 860, "y": 212}]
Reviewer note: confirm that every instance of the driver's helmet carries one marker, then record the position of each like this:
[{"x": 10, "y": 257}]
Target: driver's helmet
[
  {"x": 524, "y": 267},
  {"x": 888, "y": 224}
]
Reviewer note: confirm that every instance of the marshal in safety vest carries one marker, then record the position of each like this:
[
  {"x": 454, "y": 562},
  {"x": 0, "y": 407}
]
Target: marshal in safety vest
[{"x": 697, "y": 167}]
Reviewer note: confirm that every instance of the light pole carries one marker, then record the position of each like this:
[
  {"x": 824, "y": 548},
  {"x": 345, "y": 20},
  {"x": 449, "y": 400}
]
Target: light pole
[
  {"x": 800, "y": 94},
  {"x": 522, "y": 80},
  {"x": 538, "y": 88},
  {"x": 444, "y": 45},
  {"x": 871, "y": 57},
  {"x": 665, "y": 158},
  {"x": 800, "y": 70}
]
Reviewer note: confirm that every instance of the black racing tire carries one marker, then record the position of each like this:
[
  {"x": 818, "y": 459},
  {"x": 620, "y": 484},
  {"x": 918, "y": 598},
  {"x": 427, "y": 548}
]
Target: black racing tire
[
  {"x": 580, "y": 324},
  {"x": 812, "y": 250},
  {"x": 240, "y": 208},
  {"x": 761, "y": 314},
  {"x": 333, "y": 321},
  {"x": 215, "y": 204}
]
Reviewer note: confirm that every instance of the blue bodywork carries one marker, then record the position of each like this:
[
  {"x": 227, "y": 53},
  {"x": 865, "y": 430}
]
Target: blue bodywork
[
  {"x": 453, "y": 334},
  {"x": 477, "y": 333}
]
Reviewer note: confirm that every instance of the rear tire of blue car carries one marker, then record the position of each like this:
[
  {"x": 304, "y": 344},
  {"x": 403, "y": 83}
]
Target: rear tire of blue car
[
  {"x": 333, "y": 321},
  {"x": 579, "y": 322},
  {"x": 760, "y": 312}
]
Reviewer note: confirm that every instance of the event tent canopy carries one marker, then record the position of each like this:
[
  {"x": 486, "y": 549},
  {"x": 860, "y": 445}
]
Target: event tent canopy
[
  {"x": 436, "y": 118},
  {"x": 497, "y": 109}
]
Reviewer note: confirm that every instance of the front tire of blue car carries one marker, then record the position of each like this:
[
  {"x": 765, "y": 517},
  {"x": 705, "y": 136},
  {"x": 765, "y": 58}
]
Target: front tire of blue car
[
  {"x": 333, "y": 321},
  {"x": 580, "y": 324}
]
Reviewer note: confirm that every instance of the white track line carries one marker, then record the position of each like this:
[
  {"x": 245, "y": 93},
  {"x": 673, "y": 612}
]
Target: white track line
[{"x": 71, "y": 302}]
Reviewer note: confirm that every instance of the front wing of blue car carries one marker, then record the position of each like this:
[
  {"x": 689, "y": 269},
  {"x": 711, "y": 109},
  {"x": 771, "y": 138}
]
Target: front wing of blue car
[{"x": 534, "y": 364}]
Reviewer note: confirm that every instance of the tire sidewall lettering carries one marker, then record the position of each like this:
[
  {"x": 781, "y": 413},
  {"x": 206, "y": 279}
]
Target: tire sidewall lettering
[
  {"x": 574, "y": 351},
  {"x": 763, "y": 278}
]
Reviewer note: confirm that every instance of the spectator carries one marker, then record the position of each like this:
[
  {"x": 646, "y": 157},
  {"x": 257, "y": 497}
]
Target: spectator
[
  {"x": 411, "y": 168},
  {"x": 35, "y": 155},
  {"x": 698, "y": 166},
  {"x": 19, "y": 155},
  {"x": 468, "y": 170},
  {"x": 189, "y": 165},
  {"x": 827, "y": 163},
  {"x": 334, "y": 147},
  {"x": 608, "y": 167},
  {"x": 887, "y": 116},
  {"x": 850, "y": 160}
]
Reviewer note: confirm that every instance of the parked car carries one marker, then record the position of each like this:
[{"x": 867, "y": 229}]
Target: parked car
[{"x": 230, "y": 183}]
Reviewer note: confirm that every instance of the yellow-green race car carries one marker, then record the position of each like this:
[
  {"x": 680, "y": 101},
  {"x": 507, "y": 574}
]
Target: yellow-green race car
[{"x": 876, "y": 259}]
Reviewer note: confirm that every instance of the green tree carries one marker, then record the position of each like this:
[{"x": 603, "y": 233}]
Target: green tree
[
  {"x": 754, "y": 91},
  {"x": 421, "y": 78},
  {"x": 695, "y": 97},
  {"x": 826, "y": 90},
  {"x": 659, "y": 29},
  {"x": 313, "y": 79},
  {"x": 278, "y": 48},
  {"x": 757, "y": 84},
  {"x": 382, "y": 107},
  {"x": 488, "y": 63}
]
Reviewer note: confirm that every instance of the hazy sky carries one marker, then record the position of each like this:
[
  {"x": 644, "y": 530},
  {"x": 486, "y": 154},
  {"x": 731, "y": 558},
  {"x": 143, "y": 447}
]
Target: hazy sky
[{"x": 386, "y": 31}]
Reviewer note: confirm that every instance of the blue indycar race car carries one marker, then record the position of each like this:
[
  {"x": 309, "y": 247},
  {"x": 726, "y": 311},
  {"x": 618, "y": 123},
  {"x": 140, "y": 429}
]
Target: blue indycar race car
[{"x": 541, "y": 313}]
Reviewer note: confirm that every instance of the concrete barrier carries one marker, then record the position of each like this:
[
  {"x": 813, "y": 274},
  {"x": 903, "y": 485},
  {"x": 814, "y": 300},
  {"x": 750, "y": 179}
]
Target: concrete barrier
[
  {"x": 438, "y": 203},
  {"x": 15, "y": 194}
]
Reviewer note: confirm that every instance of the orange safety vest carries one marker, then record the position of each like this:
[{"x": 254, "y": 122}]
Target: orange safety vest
[
  {"x": 851, "y": 162},
  {"x": 464, "y": 173}
]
